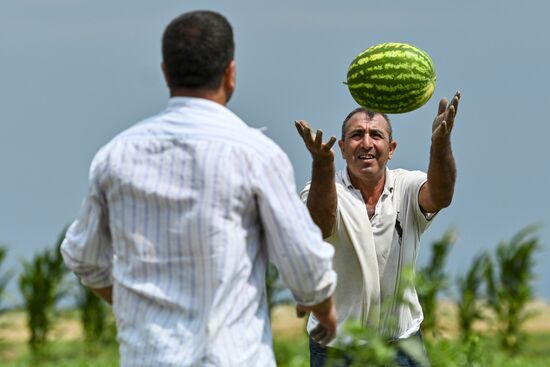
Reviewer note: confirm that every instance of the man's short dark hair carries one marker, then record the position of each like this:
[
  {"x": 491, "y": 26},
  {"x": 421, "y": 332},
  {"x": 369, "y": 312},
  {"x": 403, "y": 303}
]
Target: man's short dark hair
[
  {"x": 197, "y": 47},
  {"x": 370, "y": 114}
]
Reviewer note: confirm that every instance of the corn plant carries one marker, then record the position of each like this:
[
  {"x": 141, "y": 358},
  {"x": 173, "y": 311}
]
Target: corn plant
[
  {"x": 509, "y": 285},
  {"x": 41, "y": 287},
  {"x": 469, "y": 304},
  {"x": 93, "y": 315},
  {"x": 4, "y": 277},
  {"x": 432, "y": 280}
]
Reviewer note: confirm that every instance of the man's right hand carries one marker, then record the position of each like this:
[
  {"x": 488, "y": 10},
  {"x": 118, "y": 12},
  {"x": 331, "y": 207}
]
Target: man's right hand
[
  {"x": 325, "y": 313},
  {"x": 320, "y": 152},
  {"x": 321, "y": 201}
]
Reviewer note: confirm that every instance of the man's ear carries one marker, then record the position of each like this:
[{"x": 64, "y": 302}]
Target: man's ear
[
  {"x": 341, "y": 145},
  {"x": 165, "y": 74},
  {"x": 393, "y": 146},
  {"x": 230, "y": 77}
]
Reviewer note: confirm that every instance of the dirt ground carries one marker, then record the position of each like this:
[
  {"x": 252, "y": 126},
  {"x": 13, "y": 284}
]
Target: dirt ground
[
  {"x": 285, "y": 323},
  {"x": 13, "y": 328}
]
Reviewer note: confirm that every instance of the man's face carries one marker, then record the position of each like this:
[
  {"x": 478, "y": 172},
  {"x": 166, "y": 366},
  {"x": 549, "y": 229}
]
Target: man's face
[{"x": 366, "y": 146}]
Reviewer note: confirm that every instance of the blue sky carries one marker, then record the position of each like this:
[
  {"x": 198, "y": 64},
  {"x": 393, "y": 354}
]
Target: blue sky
[{"x": 74, "y": 73}]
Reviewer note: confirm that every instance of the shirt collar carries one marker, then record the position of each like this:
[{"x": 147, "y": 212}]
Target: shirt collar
[
  {"x": 205, "y": 106},
  {"x": 178, "y": 102}
]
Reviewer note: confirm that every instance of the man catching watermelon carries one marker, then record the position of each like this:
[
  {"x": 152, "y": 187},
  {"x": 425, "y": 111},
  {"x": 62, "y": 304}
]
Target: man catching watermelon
[{"x": 374, "y": 217}]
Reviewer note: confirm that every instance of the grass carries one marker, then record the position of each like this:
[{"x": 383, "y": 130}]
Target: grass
[
  {"x": 67, "y": 347},
  {"x": 290, "y": 353},
  {"x": 74, "y": 353}
]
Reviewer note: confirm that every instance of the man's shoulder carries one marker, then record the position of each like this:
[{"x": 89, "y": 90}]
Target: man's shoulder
[
  {"x": 406, "y": 183},
  {"x": 257, "y": 146},
  {"x": 339, "y": 179},
  {"x": 400, "y": 175}
]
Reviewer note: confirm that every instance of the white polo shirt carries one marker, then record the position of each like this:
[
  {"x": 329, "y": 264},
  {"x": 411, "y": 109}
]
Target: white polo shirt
[{"x": 371, "y": 255}]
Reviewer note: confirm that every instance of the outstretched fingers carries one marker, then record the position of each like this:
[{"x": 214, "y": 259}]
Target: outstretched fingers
[
  {"x": 302, "y": 127},
  {"x": 313, "y": 142},
  {"x": 308, "y": 139},
  {"x": 442, "y": 106},
  {"x": 318, "y": 138},
  {"x": 299, "y": 128},
  {"x": 330, "y": 143},
  {"x": 451, "y": 111},
  {"x": 450, "y": 117}
]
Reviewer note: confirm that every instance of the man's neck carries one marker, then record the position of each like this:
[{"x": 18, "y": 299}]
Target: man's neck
[
  {"x": 371, "y": 189},
  {"x": 217, "y": 96}
]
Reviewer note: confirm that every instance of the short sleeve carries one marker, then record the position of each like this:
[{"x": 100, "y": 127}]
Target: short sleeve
[{"x": 409, "y": 184}]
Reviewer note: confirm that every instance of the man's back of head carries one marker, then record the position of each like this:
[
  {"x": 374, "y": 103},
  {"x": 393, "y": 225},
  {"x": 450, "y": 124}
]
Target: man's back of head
[{"x": 197, "y": 48}]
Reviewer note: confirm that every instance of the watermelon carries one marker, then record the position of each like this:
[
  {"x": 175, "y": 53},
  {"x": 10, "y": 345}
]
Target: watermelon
[{"x": 391, "y": 78}]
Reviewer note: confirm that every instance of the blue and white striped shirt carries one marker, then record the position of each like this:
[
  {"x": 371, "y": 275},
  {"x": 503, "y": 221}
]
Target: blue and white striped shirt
[{"x": 183, "y": 213}]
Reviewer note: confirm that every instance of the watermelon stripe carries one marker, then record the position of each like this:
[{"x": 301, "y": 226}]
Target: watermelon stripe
[
  {"x": 394, "y": 85},
  {"x": 400, "y": 52},
  {"x": 391, "y": 70},
  {"x": 388, "y": 61},
  {"x": 391, "y": 77},
  {"x": 396, "y": 88},
  {"x": 399, "y": 106},
  {"x": 393, "y": 50},
  {"x": 389, "y": 96}
]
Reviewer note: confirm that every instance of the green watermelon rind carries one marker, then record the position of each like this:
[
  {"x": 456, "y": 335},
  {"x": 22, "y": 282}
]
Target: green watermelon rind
[{"x": 391, "y": 78}]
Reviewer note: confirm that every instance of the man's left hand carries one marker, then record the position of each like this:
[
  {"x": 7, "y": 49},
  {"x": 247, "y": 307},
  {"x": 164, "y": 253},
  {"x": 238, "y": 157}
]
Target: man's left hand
[{"x": 445, "y": 119}]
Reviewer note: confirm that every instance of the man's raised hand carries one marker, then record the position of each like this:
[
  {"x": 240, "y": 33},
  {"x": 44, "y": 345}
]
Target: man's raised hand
[
  {"x": 445, "y": 119},
  {"x": 320, "y": 152}
]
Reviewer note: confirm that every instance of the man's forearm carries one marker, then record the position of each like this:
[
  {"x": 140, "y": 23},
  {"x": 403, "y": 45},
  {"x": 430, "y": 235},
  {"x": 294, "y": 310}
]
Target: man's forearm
[
  {"x": 325, "y": 312},
  {"x": 441, "y": 173},
  {"x": 322, "y": 201},
  {"x": 104, "y": 293}
]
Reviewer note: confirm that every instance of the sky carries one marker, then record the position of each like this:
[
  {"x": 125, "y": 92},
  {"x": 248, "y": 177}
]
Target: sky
[{"x": 74, "y": 73}]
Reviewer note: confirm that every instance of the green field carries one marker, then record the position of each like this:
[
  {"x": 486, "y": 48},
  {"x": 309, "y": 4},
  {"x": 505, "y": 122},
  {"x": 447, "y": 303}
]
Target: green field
[
  {"x": 67, "y": 347},
  {"x": 290, "y": 352}
]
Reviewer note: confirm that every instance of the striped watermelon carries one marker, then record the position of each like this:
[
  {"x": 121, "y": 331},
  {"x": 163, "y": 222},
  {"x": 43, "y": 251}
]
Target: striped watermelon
[{"x": 391, "y": 78}]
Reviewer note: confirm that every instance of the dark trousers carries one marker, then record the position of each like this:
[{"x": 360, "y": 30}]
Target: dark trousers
[{"x": 331, "y": 357}]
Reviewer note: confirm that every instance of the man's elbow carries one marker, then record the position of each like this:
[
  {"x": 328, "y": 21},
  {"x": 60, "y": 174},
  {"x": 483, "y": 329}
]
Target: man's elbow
[
  {"x": 326, "y": 233},
  {"x": 442, "y": 202},
  {"x": 434, "y": 201},
  {"x": 326, "y": 226}
]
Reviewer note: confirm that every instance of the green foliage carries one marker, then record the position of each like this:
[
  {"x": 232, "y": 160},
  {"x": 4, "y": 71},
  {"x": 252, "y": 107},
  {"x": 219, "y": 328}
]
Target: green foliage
[
  {"x": 469, "y": 305},
  {"x": 293, "y": 352},
  {"x": 41, "y": 287},
  {"x": 70, "y": 354},
  {"x": 483, "y": 351},
  {"x": 465, "y": 353},
  {"x": 4, "y": 277},
  {"x": 365, "y": 346},
  {"x": 94, "y": 317},
  {"x": 432, "y": 280},
  {"x": 509, "y": 285}
]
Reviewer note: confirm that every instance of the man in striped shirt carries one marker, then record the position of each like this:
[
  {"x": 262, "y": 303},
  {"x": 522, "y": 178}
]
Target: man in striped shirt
[{"x": 183, "y": 213}]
